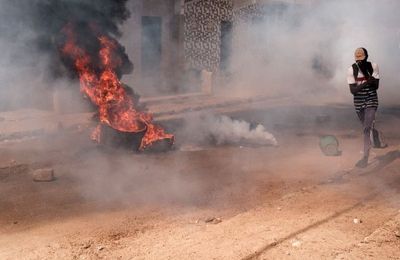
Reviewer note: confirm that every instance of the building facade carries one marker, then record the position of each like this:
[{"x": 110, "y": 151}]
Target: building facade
[
  {"x": 172, "y": 41},
  {"x": 212, "y": 27},
  {"x": 153, "y": 37}
]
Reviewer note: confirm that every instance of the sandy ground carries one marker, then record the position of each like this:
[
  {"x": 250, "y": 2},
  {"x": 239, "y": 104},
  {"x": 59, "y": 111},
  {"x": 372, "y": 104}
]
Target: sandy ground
[{"x": 218, "y": 202}]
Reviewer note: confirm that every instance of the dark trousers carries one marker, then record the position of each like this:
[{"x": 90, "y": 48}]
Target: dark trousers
[{"x": 367, "y": 118}]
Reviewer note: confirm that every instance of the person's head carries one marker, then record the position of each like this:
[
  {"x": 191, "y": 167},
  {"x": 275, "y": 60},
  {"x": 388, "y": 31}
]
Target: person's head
[{"x": 361, "y": 55}]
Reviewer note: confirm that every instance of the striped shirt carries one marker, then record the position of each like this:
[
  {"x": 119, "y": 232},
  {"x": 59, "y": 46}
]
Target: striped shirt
[{"x": 366, "y": 97}]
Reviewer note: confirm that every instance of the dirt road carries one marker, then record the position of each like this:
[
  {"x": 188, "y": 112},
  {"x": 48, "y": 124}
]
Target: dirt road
[{"x": 218, "y": 202}]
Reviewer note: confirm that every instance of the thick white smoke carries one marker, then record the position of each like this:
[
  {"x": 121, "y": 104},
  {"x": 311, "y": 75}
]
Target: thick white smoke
[
  {"x": 296, "y": 50},
  {"x": 224, "y": 130},
  {"x": 307, "y": 49},
  {"x": 22, "y": 69}
]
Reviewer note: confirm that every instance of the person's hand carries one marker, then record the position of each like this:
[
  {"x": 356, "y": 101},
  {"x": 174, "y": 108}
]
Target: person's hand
[
  {"x": 371, "y": 80},
  {"x": 365, "y": 84}
]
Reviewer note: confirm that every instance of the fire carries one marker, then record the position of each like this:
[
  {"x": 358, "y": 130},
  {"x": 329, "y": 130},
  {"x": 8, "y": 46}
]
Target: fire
[{"x": 116, "y": 108}]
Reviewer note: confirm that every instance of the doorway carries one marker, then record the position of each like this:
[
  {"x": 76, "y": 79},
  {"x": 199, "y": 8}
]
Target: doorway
[
  {"x": 226, "y": 45},
  {"x": 151, "y": 45}
]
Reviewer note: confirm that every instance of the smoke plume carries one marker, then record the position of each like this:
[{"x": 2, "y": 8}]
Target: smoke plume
[
  {"x": 89, "y": 19},
  {"x": 33, "y": 33},
  {"x": 203, "y": 129},
  {"x": 306, "y": 49}
]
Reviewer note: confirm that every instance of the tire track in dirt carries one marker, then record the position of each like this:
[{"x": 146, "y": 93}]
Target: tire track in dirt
[
  {"x": 314, "y": 225},
  {"x": 342, "y": 177}
]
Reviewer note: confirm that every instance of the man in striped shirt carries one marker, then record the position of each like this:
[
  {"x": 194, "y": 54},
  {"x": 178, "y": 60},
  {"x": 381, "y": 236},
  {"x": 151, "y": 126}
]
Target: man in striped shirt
[{"x": 363, "y": 79}]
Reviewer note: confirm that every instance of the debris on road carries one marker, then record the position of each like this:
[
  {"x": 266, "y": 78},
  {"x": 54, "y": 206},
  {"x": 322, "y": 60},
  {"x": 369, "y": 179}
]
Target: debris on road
[
  {"x": 296, "y": 243},
  {"x": 329, "y": 145},
  {"x": 43, "y": 175},
  {"x": 86, "y": 246},
  {"x": 213, "y": 220}
]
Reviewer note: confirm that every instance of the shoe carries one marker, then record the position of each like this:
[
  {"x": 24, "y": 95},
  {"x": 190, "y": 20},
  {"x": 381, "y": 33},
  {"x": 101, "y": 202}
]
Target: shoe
[{"x": 362, "y": 163}]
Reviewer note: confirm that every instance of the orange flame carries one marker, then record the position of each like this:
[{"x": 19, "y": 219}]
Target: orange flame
[{"x": 116, "y": 108}]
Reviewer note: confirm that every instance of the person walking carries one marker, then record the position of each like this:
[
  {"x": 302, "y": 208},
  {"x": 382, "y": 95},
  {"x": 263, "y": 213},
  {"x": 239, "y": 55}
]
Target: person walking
[{"x": 363, "y": 79}]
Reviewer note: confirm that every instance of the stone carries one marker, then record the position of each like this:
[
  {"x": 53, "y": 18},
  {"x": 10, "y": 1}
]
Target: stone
[
  {"x": 43, "y": 175},
  {"x": 397, "y": 233},
  {"x": 213, "y": 220},
  {"x": 86, "y": 244},
  {"x": 296, "y": 243}
]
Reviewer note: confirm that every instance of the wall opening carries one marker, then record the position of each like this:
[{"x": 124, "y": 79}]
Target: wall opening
[
  {"x": 151, "y": 46},
  {"x": 226, "y": 45}
]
